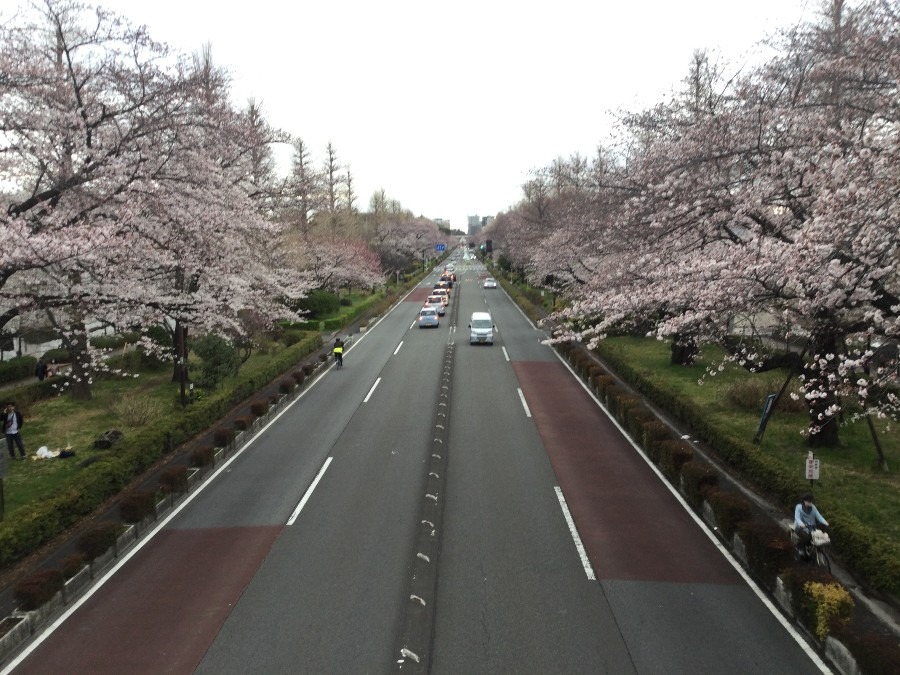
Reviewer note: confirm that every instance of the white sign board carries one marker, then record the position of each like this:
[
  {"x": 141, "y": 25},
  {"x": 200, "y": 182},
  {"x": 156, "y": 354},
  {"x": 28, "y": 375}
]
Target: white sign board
[{"x": 812, "y": 467}]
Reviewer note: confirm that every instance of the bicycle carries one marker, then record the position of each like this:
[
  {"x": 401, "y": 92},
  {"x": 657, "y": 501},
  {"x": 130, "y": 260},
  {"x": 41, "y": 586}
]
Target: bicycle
[{"x": 814, "y": 551}]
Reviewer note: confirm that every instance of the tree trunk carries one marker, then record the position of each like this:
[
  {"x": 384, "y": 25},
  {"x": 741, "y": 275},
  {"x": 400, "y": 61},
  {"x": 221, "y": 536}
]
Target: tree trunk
[
  {"x": 684, "y": 350},
  {"x": 76, "y": 341}
]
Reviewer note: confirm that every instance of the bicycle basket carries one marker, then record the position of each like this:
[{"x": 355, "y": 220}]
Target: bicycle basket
[{"x": 820, "y": 538}]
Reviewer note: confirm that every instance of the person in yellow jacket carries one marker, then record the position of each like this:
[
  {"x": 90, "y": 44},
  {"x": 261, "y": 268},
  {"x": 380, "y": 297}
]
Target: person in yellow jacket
[{"x": 338, "y": 352}]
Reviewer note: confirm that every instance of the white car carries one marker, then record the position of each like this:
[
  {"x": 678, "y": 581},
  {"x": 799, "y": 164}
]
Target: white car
[{"x": 490, "y": 283}]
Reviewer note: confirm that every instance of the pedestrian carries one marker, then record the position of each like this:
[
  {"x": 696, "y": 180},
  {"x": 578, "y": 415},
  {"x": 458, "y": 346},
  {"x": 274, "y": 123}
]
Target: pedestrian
[
  {"x": 12, "y": 426},
  {"x": 40, "y": 370}
]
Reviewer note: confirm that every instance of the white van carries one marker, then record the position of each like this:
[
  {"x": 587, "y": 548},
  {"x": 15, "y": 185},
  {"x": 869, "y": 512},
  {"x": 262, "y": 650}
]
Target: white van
[{"x": 481, "y": 329}]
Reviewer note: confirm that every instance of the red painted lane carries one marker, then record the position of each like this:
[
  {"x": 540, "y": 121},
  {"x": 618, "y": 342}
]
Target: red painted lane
[
  {"x": 632, "y": 527},
  {"x": 162, "y": 610},
  {"x": 419, "y": 295}
]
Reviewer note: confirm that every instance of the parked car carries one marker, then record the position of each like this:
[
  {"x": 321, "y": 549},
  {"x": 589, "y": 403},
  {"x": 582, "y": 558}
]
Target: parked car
[
  {"x": 428, "y": 318},
  {"x": 436, "y": 303},
  {"x": 490, "y": 283}
]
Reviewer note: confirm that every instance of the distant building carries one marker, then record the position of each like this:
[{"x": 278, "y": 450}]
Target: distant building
[{"x": 475, "y": 225}]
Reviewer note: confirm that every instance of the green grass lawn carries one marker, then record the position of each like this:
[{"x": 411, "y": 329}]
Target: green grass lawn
[{"x": 850, "y": 475}]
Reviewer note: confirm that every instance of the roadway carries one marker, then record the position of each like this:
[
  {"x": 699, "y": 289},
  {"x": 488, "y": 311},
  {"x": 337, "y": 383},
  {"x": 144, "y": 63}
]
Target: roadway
[{"x": 561, "y": 550}]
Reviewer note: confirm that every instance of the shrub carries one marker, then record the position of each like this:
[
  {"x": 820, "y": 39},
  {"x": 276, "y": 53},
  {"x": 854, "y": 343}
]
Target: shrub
[
  {"x": 38, "y": 588},
  {"x": 320, "y": 303},
  {"x": 748, "y": 394},
  {"x": 332, "y": 324},
  {"x": 220, "y": 359},
  {"x": 654, "y": 433},
  {"x": 323, "y": 357},
  {"x": 697, "y": 477},
  {"x": 17, "y": 368},
  {"x": 173, "y": 480},
  {"x": 222, "y": 437},
  {"x": 769, "y": 549},
  {"x": 72, "y": 564},
  {"x": 874, "y": 654},
  {"x": 243, "y": 423},
  {"x": 259, "y": 408},
  {"x": 202, "y": 456},
  {"x": 831, "y": 605},
  {"x": 137, "y": 505},
  {"x": 108, "y": 341},
  {"x": 728, "y": 508},
  {"x": 137, "y": 411},
  {"x": 98, "y": 539},
  {"x": 59, "y": 355},
  {"x": 299, "y": 376},
  {"x": 672, "y": 456},
  {"x": 309, "y": 369},
  {"x": 286, "y": 386}
]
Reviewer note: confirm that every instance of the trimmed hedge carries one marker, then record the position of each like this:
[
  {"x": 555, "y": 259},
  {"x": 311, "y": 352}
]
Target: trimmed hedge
[{"x": 38, "y": 588}]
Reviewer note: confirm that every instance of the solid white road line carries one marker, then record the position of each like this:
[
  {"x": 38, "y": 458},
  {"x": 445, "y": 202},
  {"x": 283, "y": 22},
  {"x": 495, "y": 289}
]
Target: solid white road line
[
  {"x": 524, "y": 404},
  {"x": 574, "y": 532},
  {"x": 309, "y": 492},
  {"x": 371, "y": 391}
]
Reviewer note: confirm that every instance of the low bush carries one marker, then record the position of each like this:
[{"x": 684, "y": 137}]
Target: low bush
[
  {"x": 222, "y": 437},
  {"x": 697, "y": 477},
  {"x": 728, "y": 508},
  {"x": 136, "y": 505},
  {"x": 98, "y": 539},
  {"x": 768, "y": 547},
  {"x": 18, "y": 368},
  {"x": 287, "y": 386},
  {"x": 672, "y": 456},
  {"x": 299, "y": 376},
  {"x": 259, "y": 408},
  {"x": 136, "y": 410},
  {"x": 72, "y": 564},
  {"x": 38, "y": 588},
  {"x": 309, "y": 369},
  {"x": 202, "y": 456},
  {"x": 243, "y": 423},
  {"x": 875, "y": 654},
  {"x": 173, "y": 480}
]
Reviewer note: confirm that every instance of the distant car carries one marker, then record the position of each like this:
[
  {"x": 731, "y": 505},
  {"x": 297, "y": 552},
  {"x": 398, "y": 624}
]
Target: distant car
[
  {"x": 490, "y": 283},
  {"x": 428, "y": 318},
  {"x": 436, "y": 303},
  {"x": 443, "y": 294}
]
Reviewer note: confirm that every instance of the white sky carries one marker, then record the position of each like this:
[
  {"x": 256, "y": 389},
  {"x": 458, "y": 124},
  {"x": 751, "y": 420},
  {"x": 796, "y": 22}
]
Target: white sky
[{"x": 447, "y": 107}]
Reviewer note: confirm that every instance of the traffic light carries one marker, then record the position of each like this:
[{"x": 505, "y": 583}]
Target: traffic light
[{"x": 489, "y": 246}]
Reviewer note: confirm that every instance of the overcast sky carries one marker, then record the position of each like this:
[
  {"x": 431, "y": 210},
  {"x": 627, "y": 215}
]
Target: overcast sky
[{"x": 448, "y": 106}]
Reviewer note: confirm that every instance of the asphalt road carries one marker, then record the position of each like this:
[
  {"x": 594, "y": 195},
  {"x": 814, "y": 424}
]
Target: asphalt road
[{"x": 296, "y": 557}]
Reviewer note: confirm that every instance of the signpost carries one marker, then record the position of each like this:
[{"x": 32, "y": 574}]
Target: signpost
[
  {"x": 812, "y": 467},
  {"x": 440, "y": 248}
]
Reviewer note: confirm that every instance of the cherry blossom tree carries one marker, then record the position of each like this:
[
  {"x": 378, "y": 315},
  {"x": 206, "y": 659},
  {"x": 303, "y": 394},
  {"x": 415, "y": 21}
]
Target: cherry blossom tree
[
  {"x": 768, "y": 193},
  {"x": 128, "y": 173}
]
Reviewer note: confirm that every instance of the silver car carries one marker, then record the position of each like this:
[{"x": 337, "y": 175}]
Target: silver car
[{"x": 428, "y": 318}]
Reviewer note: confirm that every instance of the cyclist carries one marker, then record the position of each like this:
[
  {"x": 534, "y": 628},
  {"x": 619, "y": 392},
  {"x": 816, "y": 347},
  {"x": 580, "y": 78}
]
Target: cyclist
[
  {"x": 338, "y": 352},
  {"x": 806, "y": 519}
]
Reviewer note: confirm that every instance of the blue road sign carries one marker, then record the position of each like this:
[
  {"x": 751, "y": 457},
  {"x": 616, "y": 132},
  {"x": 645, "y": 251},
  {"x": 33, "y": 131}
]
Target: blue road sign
[{"x": 440, "y": 248}]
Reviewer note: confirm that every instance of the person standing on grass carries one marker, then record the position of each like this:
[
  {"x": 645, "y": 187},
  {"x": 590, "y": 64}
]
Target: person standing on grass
[
  {"x": 12, "y": 426},
  {"x": 40, "y": 370}
]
